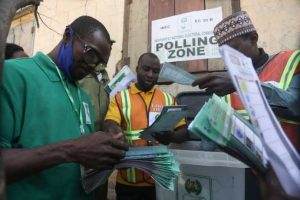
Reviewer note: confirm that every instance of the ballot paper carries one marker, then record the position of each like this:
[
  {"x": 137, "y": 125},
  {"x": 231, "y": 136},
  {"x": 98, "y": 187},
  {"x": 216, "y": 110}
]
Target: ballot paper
[
  {"x": 157, "y": 161},
  {"x": 173, "y": 73},
  {"x": 282, "y": 155},
  {"x": 219, "y": 123},
  {"x": 120, "y": 81},
  {"x": 165, "y": 121}
]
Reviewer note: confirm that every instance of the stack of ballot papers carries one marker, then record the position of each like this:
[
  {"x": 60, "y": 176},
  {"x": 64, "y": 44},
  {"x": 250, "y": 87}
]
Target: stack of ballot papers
[
  {"x": 157, "y": 161},
  {"x": 219, "y": 123}
]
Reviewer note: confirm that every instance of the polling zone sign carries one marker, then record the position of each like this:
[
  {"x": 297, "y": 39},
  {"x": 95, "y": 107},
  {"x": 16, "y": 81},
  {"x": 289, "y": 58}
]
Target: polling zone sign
[{"x": 187, "y": 36}]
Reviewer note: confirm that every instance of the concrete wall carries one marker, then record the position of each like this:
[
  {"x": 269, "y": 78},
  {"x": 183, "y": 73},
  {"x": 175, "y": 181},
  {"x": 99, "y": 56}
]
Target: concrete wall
[
  {"x": 22, "y": 33},
  {"x": 59, "y": 13},
  {"x": 137, "y": 30},
  {"x": 277, "y": 23}
]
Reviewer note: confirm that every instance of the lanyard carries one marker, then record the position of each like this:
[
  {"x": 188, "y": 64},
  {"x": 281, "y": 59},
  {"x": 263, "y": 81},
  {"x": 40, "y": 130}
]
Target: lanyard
[{"x": 78, "y": 113}]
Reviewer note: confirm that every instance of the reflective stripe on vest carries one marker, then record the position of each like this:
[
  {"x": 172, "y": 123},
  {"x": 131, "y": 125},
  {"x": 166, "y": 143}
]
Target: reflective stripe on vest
[
  {"x": 168, "y": 99},
  {"x": 132, "y": 135},
  {"x": 129, "y": 135},
  {"x": 126, "y": 108},
  {"x": 289, "y": 70}
]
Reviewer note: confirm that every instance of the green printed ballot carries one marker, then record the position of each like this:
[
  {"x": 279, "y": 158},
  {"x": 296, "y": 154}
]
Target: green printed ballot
[
  {"x": 120, "y": 81},
  {"x": 166, "y": 121},
  {"x": 176, "y": 74},
  {"x": 156, "y": 161},
  {"x": 219, "y": 123}
]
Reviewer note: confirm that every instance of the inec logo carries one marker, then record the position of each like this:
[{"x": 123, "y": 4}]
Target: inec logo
[
  {"x": 193, "y": 186},
  {"x": 184, "y": 24}
]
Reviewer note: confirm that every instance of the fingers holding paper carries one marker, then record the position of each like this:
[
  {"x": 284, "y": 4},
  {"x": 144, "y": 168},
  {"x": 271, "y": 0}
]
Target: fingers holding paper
[
  {"x": 215, "y": 82},
  {"x": 99, "y": 150},
  {"x": 119, "y": 142},
  {"x": 111, "y": 126},
  {"x": 179, "y": 135},
  {"x": 164, "y": 137}
]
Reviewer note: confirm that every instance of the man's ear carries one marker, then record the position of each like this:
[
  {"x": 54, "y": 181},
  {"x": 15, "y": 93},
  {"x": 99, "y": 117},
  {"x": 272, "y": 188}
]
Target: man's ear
[
  {"x": 67, "y": 36},
  {"x": 254, "y": 38}
]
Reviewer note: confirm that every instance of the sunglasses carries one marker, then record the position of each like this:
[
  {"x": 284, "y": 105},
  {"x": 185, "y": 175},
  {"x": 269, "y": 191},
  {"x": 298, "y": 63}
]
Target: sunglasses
[{"x": 90, "y": 55}]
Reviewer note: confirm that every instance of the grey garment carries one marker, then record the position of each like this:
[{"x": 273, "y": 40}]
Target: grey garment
[
  {"x": 99, "y": 97},
  {"x": 284, "y": 103}
]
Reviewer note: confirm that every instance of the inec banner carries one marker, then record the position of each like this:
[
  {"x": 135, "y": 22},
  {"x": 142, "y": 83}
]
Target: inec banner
[{"x": 188, "y": 36}]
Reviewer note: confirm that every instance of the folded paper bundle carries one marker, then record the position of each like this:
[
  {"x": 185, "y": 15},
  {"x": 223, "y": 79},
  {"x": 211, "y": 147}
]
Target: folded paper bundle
[
  {"x": 156, "y": 161},
  {"x": 219, "y": 123}
]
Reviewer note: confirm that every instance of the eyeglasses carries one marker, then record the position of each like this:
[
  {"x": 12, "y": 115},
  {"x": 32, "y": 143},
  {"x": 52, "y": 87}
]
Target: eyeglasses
[{"x": 90, "y": 55}]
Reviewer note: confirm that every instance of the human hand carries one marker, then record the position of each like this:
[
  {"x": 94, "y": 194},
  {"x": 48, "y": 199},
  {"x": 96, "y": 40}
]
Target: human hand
[
  {"x": 163, "y": 137},
  {"x": 99, "y": 150},
  {"x": 110, "y": 126},
  {"x": 271, "y": 188},
  {"x": 215, "y": 82}
]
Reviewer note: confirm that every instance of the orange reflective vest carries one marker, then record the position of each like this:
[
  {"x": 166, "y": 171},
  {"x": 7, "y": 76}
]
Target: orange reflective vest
[
  {"x": 136, "y": 117},
  {"x": 281, "y": 69}
]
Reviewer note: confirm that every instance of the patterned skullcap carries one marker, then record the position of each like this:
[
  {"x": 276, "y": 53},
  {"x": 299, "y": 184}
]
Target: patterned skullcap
[{"x": 233, "y": 26}]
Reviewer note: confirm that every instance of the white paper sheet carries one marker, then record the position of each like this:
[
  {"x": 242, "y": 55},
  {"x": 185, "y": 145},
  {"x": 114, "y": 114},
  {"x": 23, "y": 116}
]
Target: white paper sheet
[
  {"x": 176, "y": 74},
  {"x": 282, "y": 155}
]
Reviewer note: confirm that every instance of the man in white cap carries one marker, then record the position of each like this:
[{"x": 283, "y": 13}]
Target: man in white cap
[
  {"x": 279, "y": 74},
  {"x": 280, "y": 80}
]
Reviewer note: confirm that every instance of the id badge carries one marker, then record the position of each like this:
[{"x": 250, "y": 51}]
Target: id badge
[
  {"x": 152, "y": 117},
  {"x": 87, "y": 113}
]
